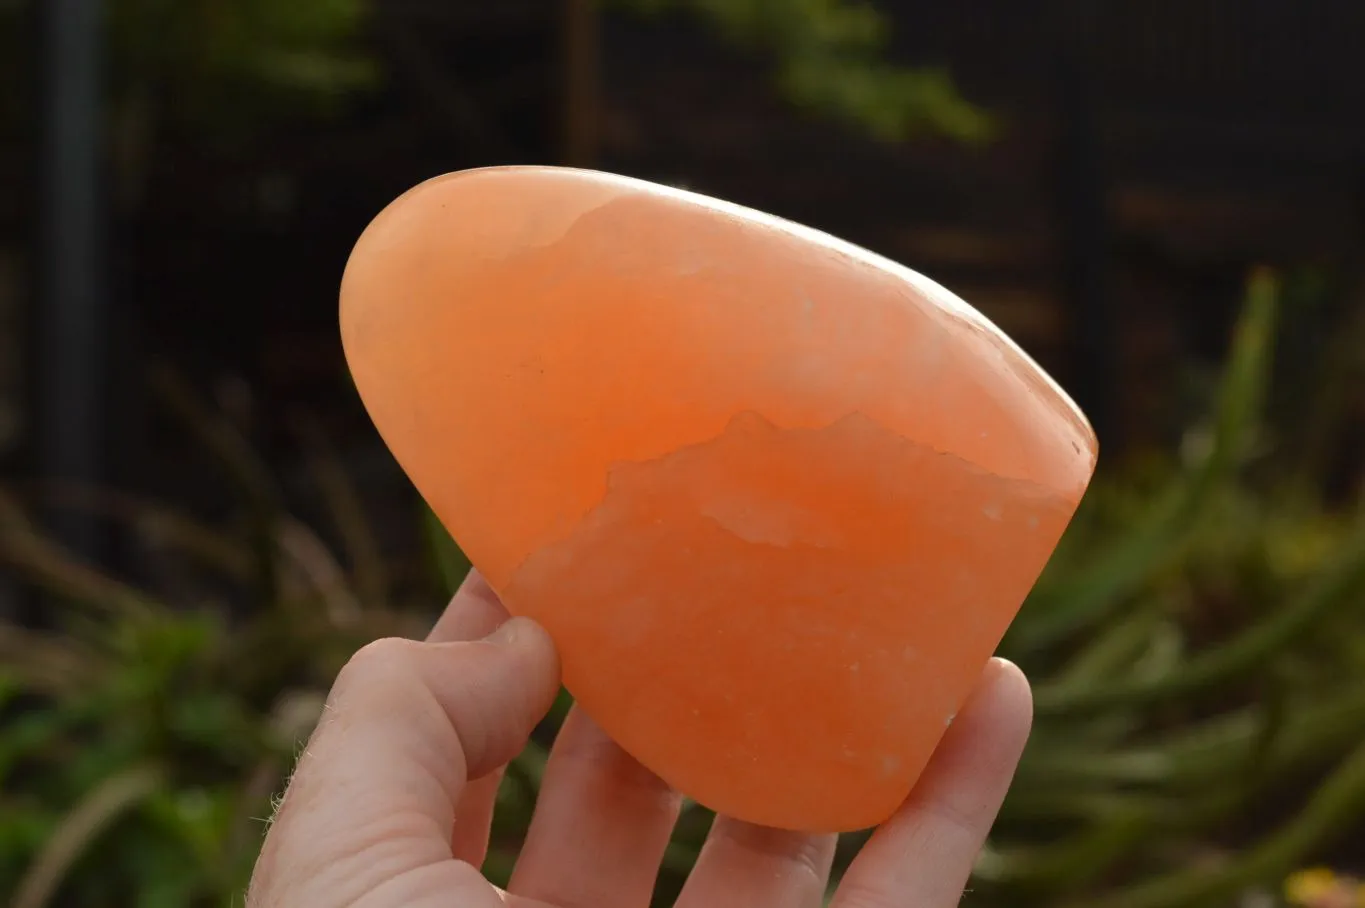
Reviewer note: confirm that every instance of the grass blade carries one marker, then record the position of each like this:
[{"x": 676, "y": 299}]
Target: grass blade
[
  {"x": 1095, "y": 592},
  {"x": 104, "y": 805}
]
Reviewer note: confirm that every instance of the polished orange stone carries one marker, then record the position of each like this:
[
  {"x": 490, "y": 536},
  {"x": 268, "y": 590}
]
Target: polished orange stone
[{"x": 776, "y": 498}]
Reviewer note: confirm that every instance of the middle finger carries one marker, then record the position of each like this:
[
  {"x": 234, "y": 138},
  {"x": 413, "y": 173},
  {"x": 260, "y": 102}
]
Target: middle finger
[
  {"x": 600, "y": 826},
  {"x": 742, "y": 865}
]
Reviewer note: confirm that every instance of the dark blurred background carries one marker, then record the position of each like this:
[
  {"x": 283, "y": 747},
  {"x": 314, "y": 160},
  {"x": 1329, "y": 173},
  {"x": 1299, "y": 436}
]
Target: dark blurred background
[
  {"x": 181, "y": 182},
  {"x": 184, "y": 180}
]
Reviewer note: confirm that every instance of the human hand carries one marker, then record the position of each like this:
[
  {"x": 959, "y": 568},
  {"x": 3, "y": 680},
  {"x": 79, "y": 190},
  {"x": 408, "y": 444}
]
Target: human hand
[{"x": 392, "y": 799}]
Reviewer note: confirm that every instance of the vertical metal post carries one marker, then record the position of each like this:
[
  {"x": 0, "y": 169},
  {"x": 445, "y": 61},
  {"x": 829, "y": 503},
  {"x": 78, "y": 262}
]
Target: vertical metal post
[
  {"x": 70, "y": 356},
  {"x": 581, "y": 82}
]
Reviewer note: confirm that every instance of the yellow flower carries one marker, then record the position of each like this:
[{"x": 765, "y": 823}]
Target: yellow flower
[{"x": 1320, "y": 887}]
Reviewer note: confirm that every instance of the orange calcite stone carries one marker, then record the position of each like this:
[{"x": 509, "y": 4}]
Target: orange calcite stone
[{"x": 777, "y": 499}]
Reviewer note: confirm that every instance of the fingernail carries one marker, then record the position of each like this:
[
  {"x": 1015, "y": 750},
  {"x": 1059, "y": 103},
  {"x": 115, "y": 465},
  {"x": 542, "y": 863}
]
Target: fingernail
[{"x": 506, "y": 633}]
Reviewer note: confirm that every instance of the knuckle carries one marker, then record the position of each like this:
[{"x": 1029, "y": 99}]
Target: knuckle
[
  {"x": 377, "y": 658},
  {"x": 854, "y": 894}
]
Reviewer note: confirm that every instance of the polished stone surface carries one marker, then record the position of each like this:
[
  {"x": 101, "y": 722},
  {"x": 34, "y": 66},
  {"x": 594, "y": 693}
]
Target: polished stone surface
[{"x": 776, "y": 498}]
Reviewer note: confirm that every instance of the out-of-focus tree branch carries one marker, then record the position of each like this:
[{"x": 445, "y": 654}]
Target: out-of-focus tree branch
[{"x": 830, "y": 56}]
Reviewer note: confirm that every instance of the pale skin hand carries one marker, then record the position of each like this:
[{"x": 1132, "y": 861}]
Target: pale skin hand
[{"x": 391, "y": 802}]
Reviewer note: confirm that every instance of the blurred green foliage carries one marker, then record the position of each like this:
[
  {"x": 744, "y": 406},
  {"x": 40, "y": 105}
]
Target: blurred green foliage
[
  {"x": 227, "y": 69},
  {"x": 1197, "y": 648},
  {"x": 219, "y": 66},
  {"x": 831, "y": 57},
  {"x": 141, "y": 740}
]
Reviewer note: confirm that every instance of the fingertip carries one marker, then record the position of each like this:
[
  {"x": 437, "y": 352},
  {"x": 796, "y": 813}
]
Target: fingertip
[
  {"x": 531, "y": 639},
  {"x": 474, "y": 611},
  {"x": 1008, "y": 683},
  {"x": 1000, "y": 706},
  {"x": 475, "y": 586},
  {"x": 1002, "y": 666},
  {"x": 521, "y": 631}
]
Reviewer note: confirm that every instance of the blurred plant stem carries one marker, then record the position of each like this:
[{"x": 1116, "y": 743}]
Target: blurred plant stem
[{"x": 74, "y": 835}]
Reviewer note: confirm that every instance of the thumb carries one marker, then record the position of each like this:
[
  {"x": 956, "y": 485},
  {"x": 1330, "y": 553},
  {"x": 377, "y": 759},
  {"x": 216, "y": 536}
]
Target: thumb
[{"x": 406, "y": 726}]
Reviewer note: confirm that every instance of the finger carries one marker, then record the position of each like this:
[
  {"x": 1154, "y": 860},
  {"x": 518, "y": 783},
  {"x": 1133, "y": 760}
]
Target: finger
[
  {"x": 742, "y": 865},
  {"x": 600, "y": 826},
  {"x": 474, "y": 818},
  {"x": 474, "y": 612},
  {"x": 407, "y": 725},
  {"x": 923, "y": 856}
]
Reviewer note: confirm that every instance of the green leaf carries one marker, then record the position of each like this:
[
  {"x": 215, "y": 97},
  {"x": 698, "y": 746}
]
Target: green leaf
[
  {"x": 1332, "y": 810},
  {"x": 450, "y": 563},
  {"x": 1248, "y": 651}
]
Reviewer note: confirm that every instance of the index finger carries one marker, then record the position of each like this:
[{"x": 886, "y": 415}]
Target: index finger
[{"x": 408, "y": 725}]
